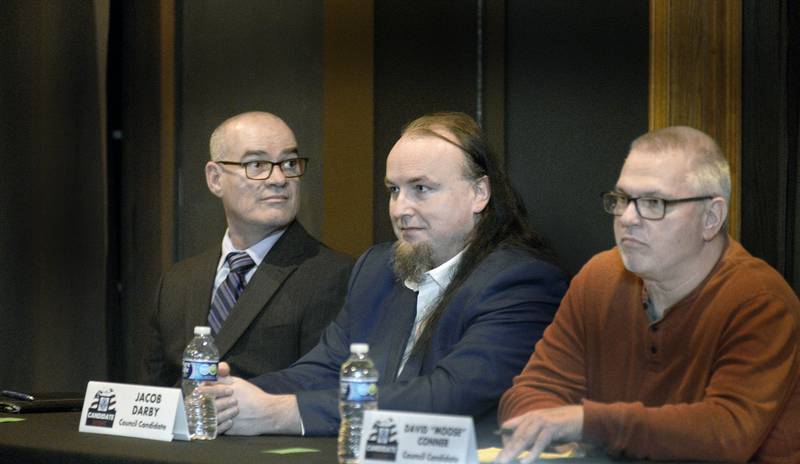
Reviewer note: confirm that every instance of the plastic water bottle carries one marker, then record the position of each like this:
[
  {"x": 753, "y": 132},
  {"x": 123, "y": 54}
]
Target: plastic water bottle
[
  {"x": 200, "y": 360},
  {"x": 358, "y": 392}
]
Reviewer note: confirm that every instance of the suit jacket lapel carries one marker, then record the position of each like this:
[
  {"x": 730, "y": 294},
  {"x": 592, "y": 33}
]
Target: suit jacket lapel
[
  {"x": 277, "y": 266},
  {"x": 412, "y": 368},
  {"x": 400, "y": 322},
  {"x": 198, "y": 299},
  {"x": 265, "y": 282}
]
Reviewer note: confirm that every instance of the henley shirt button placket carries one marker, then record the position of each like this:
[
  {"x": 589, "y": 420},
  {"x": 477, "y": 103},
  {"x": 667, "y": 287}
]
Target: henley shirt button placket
[{"x": 653, "y": 340}]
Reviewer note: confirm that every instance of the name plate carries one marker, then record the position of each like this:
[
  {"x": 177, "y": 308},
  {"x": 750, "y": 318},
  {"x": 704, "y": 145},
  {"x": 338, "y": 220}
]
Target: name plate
[
  {"x": 140, "y": 411},
  {"x": 391, "y": 436}
]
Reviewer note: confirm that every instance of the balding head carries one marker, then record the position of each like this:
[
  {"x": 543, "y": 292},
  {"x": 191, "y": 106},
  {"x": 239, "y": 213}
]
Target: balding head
[{"x": 265, "y": 123}]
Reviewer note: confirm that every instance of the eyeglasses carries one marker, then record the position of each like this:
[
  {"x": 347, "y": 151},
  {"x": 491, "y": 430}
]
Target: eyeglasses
[
  {"x": 262, "y": 169},
  {"x": 647, "y": 207}
]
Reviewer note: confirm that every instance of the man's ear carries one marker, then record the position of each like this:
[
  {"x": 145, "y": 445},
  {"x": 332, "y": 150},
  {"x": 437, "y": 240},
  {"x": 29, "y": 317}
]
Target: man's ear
[
  {"x": 714, "y": 217},
  {"x": 214, "y": 178},
  {"x": 483, "y": 192}
]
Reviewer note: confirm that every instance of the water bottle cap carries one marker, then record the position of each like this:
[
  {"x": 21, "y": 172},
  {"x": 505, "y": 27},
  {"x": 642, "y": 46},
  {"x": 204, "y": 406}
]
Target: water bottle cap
[
  {"x": 359, "y": 348},
  {"x": 202, "y": 330}
]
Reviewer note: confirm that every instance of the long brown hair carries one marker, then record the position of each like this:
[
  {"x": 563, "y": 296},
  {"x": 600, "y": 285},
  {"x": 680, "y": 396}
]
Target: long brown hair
[{"x": 503, "y": 223}]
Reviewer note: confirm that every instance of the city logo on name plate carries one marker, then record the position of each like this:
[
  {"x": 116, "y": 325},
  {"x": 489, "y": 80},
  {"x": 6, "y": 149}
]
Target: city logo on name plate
[
  {"x": 103, "y": 409},
  {"x": 382, "y": 442}
]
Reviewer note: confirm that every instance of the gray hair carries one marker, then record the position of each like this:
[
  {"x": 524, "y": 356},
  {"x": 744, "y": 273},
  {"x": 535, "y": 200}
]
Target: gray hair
[{"x": 710, "y": 173}]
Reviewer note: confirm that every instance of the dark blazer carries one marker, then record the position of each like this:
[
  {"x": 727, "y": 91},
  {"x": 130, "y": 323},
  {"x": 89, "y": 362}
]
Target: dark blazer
[
  {"x": 484, "y": 338},
  {"x": 295, "y": 292}
]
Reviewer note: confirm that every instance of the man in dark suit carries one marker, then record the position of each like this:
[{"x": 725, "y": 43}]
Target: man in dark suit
[
  {"x": 272, "y": 288},
  {"x": 451, "y": 310}
]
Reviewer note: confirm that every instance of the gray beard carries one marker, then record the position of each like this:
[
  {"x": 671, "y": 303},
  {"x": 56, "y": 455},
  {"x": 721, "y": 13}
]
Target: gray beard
[{"x": 410, "y": 261}]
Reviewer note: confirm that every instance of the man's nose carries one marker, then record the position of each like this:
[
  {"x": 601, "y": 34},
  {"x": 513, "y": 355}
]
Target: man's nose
[
  {"x": 400, "y": 206},
  {"x": 276, "y": 177},
  {"x": 630, "y": 215}
]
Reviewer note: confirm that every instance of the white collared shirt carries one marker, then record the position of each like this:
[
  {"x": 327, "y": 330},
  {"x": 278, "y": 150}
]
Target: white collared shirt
[
  {"x": 429, "y": 290},
  {"x": 257, "y": 253}
]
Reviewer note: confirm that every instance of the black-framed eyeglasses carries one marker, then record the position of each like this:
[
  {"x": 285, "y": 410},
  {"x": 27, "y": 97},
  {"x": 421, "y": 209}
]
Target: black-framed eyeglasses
[
  {"x": 262, "y": 169},
  {"x": 647, "y": 207}
]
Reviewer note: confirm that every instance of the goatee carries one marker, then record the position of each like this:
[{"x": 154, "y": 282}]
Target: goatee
[{"x": 412, "y": 260}]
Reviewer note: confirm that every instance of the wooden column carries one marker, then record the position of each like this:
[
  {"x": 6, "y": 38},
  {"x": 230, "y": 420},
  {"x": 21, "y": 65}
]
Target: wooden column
[
  {"x": 695, "y": 75},
  {"x": 347, "y": 124}
]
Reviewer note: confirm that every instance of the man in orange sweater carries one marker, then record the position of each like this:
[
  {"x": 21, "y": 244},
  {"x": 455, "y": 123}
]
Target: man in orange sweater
[{"x": 677, "y": 344}]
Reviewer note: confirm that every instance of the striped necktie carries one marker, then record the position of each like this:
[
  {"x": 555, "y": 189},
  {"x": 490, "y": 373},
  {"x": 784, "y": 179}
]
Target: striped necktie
[{"x": 230, "y": 289}]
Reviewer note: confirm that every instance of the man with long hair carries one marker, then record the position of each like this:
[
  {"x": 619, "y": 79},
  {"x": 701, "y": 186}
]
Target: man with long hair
[{"x": 451, "y": 310}]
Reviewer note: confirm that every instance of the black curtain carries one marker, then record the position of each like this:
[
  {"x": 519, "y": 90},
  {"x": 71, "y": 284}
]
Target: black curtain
[
  {"x": 53, "y": 233},
  {"x": 770, "y": 109}
]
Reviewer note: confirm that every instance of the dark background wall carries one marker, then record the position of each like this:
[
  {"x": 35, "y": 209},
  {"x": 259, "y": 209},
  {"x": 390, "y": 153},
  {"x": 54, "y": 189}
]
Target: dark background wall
[
  {"x": 576, "y": 96},
  {"x": 771, "y": 134},
  {"x": 53, "y": 228},
  {"x": 252, "y": 54},
  {"x": 425, "y": 60}
]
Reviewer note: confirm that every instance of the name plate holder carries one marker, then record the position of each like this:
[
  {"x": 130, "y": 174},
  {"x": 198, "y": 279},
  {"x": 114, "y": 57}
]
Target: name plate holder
[
  {"x": 392, "y": 436},
  {"x": 154, "y": 413}
]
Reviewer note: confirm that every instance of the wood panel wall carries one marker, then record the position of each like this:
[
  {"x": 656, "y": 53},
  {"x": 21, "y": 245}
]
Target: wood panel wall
[
  {"x": 695, "y": 76},
  {"x": 347, "y": 125}
]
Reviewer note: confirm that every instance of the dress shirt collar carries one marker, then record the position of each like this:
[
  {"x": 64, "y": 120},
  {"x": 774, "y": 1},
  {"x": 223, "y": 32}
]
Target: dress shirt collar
[
  {"x": 257, "y": 252},
  {"x": 441, "y": 275}
]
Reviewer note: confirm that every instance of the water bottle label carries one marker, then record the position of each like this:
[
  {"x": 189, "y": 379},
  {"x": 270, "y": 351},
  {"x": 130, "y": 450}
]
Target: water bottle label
[
  {"x": 199, "y": 370},
  {"x": 364, "y": 389}
]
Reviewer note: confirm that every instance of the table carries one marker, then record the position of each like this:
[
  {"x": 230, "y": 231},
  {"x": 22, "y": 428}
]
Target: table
[{"x": 54, "y": 437}]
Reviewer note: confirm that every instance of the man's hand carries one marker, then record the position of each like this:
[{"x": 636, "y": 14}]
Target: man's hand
[
  {"x": 536, "y": 430},
  {"x": 245, "y": 409}
]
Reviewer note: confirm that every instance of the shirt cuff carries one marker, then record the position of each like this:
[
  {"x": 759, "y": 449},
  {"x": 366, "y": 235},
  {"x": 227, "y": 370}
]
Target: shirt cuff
[{"x": 302, "y": 427}]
